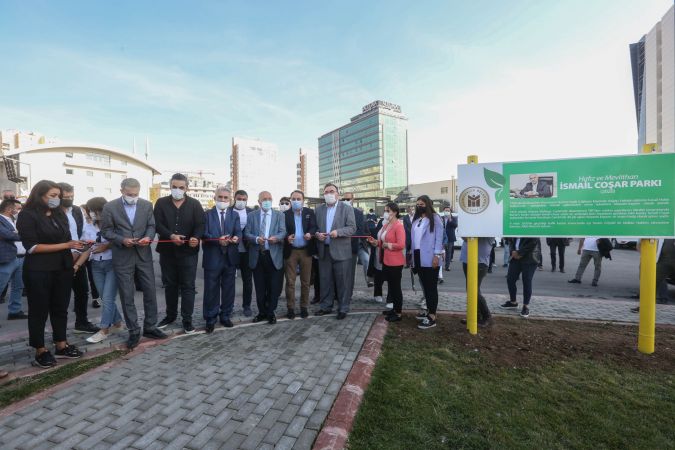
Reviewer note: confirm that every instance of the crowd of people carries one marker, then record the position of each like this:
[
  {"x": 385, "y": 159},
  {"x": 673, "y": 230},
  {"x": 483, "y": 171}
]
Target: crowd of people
[{"x": 51, "y": 249}]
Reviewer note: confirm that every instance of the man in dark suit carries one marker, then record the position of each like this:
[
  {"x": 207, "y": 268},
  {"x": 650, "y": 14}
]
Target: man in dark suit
[
  {"x": 220, "y": 260},
  {"x": 536, "y": 188},
  {"x": 360, "y": 247},
  {"x": 240, "y": 200},
  {"x": 266, "y": 231},
  {"x": 450, "y": 225},
  {"x": 298, "y": 251},
  {"x": 179, "y": 218},
  {"x": 80, "y": 280},
  {"x": 129, "y": 224},
  {"x": 12, "y": 254}
]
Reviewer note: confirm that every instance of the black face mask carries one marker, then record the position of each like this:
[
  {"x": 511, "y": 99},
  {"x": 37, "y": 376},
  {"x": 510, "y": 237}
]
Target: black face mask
[
  {"x": 420, "y": 209},
  {"x": 66, "y": 203}
]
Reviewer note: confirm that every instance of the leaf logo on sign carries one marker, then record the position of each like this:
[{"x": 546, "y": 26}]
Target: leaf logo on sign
[{"x": 496, "y": 181}]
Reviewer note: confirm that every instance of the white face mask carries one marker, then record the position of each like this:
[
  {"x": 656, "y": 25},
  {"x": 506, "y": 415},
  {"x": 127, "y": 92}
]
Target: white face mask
[
  {"x": 130, "y": 200},
  {"x": 240, "y": 204},
  {"x": 177, "y": 194},
  {"x": 385, "y": 216},
  {"x": 284, "y": 208},
  {"x": 222, "y": 205},
  {"x": 329, "y": 198},
  {"x": 347, "y": 202}
]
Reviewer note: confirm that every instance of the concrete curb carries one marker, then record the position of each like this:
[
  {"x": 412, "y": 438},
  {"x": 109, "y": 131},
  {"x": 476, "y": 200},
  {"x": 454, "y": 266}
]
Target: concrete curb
[{"x": 340, "y": 420}]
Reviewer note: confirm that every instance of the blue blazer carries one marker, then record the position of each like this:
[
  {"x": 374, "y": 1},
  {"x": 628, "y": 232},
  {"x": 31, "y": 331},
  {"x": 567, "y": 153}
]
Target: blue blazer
[
  {"x": 277, "y": 228},
  {"x": 214, "y": 253},
  {"x": 431, "y": 242},
  {"x": 7, "y": 238}
]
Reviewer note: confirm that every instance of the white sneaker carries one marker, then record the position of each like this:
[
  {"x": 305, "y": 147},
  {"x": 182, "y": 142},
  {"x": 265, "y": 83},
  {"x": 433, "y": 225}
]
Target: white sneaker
[
  {"x": 378, "y": 299},
  {"x": 98, "y": 337},
  {"x": 389, "y": 306}
]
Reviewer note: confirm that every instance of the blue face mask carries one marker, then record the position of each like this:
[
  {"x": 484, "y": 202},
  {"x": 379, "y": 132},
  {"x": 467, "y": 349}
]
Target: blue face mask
[
  {"x": 296, "y": 204},
  {"x": 266, "y": 205}
]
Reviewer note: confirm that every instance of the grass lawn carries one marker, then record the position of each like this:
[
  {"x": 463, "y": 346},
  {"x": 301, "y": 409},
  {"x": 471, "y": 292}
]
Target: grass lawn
[
  {"x": 22, "y": 388},
  {"x": 520, "y": 384}
]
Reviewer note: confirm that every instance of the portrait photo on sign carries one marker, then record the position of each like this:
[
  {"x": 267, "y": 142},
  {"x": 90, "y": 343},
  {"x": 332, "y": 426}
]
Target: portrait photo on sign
[{"x": 533, "y": 185}]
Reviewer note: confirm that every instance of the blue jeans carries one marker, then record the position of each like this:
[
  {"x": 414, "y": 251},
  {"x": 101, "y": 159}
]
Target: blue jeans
[
  {"x": 507, "y": 254},
  {"x": 106, "y": 285},
  {"x": 13, "y": 272}
]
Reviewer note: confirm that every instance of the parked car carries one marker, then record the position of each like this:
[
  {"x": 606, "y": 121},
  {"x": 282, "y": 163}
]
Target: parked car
[{"x": 624, "y": 242}]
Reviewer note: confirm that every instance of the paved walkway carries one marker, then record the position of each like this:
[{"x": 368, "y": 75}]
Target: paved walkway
[{"x": 249, "y": 387}]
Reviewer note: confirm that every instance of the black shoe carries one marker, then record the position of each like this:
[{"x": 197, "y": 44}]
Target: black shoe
[
  {"x": 187, "y": 327},
  {"x": 595, "y": 283},
  {"x": 45, "y": 360},
  {"x": 69, "y": 351},
  {"x": 462, "y": 321},
  {"x": 489, "y": 270},
  {"x": 87, "y": 327},
  {"x": 17, "y": 316},
  {"x": 290, "y": 314},
  {"x": 96, "y": 303},
  {"x": 440, "y": 281},
  {"x": 133, "y": 340},
  {"x": 304, "y": 313},
  {"x": 421, "y": 315},
  {"x": 154, "y": 333},
  {"x": 227, "y": 323},
  {"x": 447, "y": 269},
  {"x": 259, "y": 318},
  {"x": 427, "y": 323},
  {"x": 315, "y": 300},
  {"x": 321, "y": 312},
  {"x": 272, "y": 320},
  {"x": 574, "y": 281},
  {"x": 165, "y": 322},
  {"x": 341, "y": 316},
  {"x": 209, "y": 328},
  {"x": 525, "y": 312},
  {"x": 371, "y": 284},
  {"x": 509, "y": 304},
  {"x": 393, "y": 318}
]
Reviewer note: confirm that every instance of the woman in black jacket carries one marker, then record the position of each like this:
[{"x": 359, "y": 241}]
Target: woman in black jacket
[
  {"x": 525, "y": 257},
  {"x": 47, "y": 270}
]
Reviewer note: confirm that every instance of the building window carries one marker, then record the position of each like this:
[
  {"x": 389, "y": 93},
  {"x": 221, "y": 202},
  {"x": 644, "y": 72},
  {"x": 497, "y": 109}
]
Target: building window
[
  {"x": 444, "y": 190},
  {"x": 99, "y": 158},
  {"x": 90, "y": 173},
  {"x": 69, "y": 171},
  {"x": 90, "y": 189},
  {"x": 108, "y": 175},
  {"x": 69, "y": 155}
]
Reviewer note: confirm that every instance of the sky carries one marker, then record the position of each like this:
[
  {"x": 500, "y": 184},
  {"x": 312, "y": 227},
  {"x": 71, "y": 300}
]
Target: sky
[{"x": 505, "y": 80}]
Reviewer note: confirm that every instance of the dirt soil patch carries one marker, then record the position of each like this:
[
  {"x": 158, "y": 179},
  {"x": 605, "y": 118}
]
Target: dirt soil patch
[{"x": 516, "y": 342}]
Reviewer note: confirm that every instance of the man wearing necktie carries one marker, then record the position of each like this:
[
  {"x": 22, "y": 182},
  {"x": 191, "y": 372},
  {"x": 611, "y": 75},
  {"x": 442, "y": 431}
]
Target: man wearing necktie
[
  {"x": 265, "y": 231},
  {"x": 220, "y": 260}
]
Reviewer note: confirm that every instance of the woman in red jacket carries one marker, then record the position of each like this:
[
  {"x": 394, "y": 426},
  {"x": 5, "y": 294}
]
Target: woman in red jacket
[{"x": 390, "y": 245}]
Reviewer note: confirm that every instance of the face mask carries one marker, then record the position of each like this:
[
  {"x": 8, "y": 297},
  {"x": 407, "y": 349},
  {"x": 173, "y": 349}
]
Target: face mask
[
  {"x": 296, "y": 204},
  {"x": 93, "y": 216},
  {"x": 420, "y": 209},
  {"x": 54, "y": 202},
  {"x": 222, "y": 206},
  {"x": 446, "y": 214},
  {"x": 67, "y": 202},
  {"x": 240, "y": 204},
  {"x": 347, "y": 202},
  {"x": 266, "y": 205},
  {"x": 329, "y": 198},
  {"x": 130, "y": 200},
  {"x": 177, "y": 194},
  {"x": 284, "y": 208},
  {"x": 385, "y": 216}
]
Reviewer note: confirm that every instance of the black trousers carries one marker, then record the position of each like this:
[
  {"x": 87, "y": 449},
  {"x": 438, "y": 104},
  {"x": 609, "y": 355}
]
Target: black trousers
[
  {"x": 393, "y": 274},
  {"x": 561, "y": 254},
  {"x": 315, "y": 278},
  {"x": 80, "y": 288},
  {"x": 246, "y": 280},
  {"x": 519, "y": 270},
  {"x": 48, "y": 295},
  {"x": 179, "y": 273},
  {"x": 429, "y": 280},
  {"x": 268, "y": 284},
  {"x": 378, "y": 278},
  {"x": 483, "y": 310}
]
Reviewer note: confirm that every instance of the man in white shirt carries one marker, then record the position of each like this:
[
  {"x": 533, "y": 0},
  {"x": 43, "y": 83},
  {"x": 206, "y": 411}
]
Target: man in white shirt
[
  {"x": 12, "y": 253},
  {"x": 588, "y": 249}
]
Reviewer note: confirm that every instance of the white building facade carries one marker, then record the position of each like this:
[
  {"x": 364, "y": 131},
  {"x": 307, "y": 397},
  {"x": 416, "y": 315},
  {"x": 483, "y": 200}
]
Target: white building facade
[
  {"x": 653, "y": 64},
  {"x": 201, "y": 186},
  {"x": 254, "y": 167}
]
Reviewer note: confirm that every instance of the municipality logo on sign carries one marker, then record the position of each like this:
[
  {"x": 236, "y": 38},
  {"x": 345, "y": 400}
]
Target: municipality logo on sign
[{"x": 474, "y": 200}]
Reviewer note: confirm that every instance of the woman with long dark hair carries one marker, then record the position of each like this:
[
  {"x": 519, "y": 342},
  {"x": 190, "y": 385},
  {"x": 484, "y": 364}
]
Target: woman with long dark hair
[
  {"x": 47, "y": 270},
  {"x": 426, "y": 239},
  {"x": 390, "y": 244}
]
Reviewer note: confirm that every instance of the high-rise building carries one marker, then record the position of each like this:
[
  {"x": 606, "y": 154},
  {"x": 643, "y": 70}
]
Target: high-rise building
[
  {"x": 653, "y": 64},
  {"x": 254, "y": 167},
  {"x": 308, "y": 172},
  {"x": 369, "y": 155}
]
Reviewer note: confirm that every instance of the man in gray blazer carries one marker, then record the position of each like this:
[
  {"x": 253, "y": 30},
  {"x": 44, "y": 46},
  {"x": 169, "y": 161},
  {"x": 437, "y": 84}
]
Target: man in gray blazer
[
  {"x": 129, "y": 224},
  {"x": 265, "y": 231},
  {"x": 336, "y": 224}
]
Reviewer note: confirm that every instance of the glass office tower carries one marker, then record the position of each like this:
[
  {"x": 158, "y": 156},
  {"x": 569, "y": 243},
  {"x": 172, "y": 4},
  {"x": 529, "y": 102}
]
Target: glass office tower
[{"x": 369, "y": 155}]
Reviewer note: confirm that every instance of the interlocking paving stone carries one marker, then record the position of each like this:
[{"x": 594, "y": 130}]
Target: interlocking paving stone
[{"x": 163, "y": 398}]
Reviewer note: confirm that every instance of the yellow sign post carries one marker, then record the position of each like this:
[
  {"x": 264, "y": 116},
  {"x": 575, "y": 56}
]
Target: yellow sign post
[
  {"x": 647, "y": 326},
  {"x": 472, "y": 275}
]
